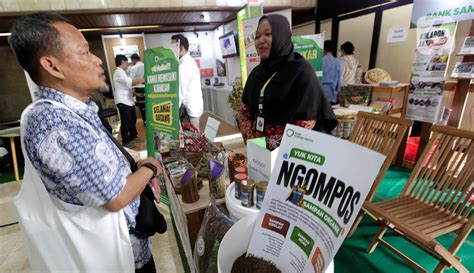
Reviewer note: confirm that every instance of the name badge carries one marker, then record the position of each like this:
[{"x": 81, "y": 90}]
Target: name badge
[{"x": 260, "y": 124}]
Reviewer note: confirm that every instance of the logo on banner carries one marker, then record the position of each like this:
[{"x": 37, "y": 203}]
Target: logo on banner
[{"x": 434, "y": 35}]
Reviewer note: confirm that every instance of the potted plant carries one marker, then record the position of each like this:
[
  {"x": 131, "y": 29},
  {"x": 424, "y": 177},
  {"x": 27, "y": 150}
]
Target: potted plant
[{"x": 235, "y": 101}]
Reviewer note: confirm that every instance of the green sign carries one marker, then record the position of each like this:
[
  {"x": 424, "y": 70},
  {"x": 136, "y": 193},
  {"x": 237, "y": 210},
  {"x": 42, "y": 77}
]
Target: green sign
[
  {"x": 307, "y": 156},
  {"x": 303, "y": 240},
  {"x": 161, "y": 97},
  {"x": 311, "y": 48},
  {"x": 241, "y": 16}
]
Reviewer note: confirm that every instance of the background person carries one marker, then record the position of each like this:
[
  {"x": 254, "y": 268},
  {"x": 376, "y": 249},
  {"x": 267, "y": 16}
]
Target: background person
[
  {"x": 79, "y": 198},
  {"x": 332, "y": 74},
  {"x": 190, "y": 93},
  {"x": 138, "y": 72},
  {"x": 349, "y": 63},
  {"x": 282, "y": 89},
  {"x": 123, "y": 96}
]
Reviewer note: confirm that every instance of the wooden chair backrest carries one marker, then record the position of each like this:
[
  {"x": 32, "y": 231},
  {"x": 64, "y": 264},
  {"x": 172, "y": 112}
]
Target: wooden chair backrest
[
  {"x": 382, "y": 134},
  {"x": 443, "y": 174}
]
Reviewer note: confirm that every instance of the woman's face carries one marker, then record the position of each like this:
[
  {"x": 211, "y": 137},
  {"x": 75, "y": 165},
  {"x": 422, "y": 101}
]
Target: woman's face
[{"x": 263, "y": 39}]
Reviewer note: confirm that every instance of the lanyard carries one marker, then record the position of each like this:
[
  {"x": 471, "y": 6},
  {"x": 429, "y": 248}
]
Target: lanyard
[
  {"x": 260, "y": 124},
  {"x": 262, "y": 94}
]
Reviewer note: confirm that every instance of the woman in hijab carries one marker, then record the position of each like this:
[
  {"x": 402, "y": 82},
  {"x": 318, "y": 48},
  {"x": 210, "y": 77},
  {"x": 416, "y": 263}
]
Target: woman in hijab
[{"x": 282, "y": 89}]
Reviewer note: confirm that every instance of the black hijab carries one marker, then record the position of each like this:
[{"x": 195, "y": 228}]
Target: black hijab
[{"x": 294, "y": 93}]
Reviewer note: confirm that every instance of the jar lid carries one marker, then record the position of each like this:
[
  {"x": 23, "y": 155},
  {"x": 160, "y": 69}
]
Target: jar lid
[
  {"x": 240, "y": 170},
  {"x": 240, "y": 176},
  {"x": 262, "y": 185},
  {"x": 250, "y": 184}
]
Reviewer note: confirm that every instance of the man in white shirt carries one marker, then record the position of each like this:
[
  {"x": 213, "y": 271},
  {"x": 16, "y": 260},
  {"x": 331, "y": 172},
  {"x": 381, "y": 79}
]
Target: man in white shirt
[
  {"x": 138, "y": 72},
  {"x": 123, "y": 95},
  {"x": 190, "y": 93}
]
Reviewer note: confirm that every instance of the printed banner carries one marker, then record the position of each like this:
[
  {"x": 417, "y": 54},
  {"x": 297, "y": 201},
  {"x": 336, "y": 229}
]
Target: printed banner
[
  {"x": 434, "y": 45},
  {"x": 425, "y": 105},
  {"x": 241, "y": 16},
  {"x": 435, "y": 10},
  {"x": 314, "y": 195},
  {"x": 311, "y": 48},
  {"x": 161, "y": 97}
]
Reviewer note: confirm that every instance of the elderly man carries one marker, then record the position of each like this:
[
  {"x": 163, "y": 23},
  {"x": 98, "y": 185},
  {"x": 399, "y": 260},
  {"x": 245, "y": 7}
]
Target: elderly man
[{"x": 79, "y": 199}]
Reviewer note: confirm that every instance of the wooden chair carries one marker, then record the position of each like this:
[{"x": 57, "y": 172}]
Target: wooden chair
[
  {"x": 434, "y": 200},
  {"x": 382, "y": 134}
]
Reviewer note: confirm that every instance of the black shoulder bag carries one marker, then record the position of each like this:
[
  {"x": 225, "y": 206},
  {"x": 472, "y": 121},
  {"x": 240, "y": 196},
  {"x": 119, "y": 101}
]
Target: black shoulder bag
[{"x": 149, "y": 220}]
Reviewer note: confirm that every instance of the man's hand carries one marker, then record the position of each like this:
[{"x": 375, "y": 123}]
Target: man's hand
[
  {"x": 135, "y": 184},
  {"x": 153, "y": 161},
  {"x": 138, "y": 81}
]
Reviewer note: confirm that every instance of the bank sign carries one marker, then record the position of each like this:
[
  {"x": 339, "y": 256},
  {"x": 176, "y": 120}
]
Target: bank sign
[{"x": 442, "y": 11}]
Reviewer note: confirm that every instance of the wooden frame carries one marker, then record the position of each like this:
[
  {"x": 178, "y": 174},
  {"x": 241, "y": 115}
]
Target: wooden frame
[
  {"x": 382, "y": 134},
  {"x": 435, "y": 199}
]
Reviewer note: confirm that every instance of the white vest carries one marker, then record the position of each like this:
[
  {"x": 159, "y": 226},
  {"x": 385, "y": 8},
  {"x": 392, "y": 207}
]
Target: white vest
[{"x": 62, "y": 237}]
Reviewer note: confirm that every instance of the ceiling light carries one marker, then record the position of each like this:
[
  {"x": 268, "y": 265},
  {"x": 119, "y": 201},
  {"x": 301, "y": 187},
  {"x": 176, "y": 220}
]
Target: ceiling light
[{"x": 118, "y": 19}]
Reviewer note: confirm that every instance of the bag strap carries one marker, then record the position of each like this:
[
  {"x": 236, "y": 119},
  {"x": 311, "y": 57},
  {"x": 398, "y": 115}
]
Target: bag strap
[{"x": 131, "y": 161}]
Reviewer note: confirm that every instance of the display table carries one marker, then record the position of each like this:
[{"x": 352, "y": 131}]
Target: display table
[
  {"x": 398, "y": 93},
  {"x": 195, "y": 211},
  {"x": 11, "y": 134},
  {"x": 203, "y": 201},
  {"x": 232, "y": 140}
]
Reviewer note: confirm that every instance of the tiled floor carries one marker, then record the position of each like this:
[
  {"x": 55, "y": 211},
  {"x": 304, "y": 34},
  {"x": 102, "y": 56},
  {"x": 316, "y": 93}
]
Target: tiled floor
[{"x": 13, "y": 257}]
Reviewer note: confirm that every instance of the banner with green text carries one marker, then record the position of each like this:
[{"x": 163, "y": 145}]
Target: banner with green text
[
  {"x": 161, "y": 97},
  {"x": 316, "y": 189},
  {"x": 441, "y": 11},
  {"x": 311, "y": 48}
]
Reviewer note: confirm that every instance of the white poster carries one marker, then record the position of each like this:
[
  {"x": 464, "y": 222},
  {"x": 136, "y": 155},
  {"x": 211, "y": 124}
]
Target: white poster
[
  {"x": 316, "y": 190},
  {"x": 468, "y": 45},
  {"x": 212, "y": 126},
  {"x": 425, "y": 104},
  {"x": 430, "y": 65},
  {"x": 397, "y": 34}
]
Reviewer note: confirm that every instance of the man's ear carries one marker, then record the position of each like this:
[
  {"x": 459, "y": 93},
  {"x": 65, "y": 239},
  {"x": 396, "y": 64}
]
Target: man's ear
[{"x": 51, "y": 66}]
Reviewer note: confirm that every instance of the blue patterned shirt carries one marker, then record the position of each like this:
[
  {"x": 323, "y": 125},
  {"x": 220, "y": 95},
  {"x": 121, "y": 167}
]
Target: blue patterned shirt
[
  {"x": 332, "y": 77},
  {"x": 78, "y": 165}
]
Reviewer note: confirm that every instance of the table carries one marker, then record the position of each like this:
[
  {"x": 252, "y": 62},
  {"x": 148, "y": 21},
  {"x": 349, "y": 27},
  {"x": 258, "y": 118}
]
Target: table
[
  {"x": 195, "y": 211},
  {"x": 398, "y": 93},
  {"x": 11, "y": 134},
  {"x": 230, "y": 137}
]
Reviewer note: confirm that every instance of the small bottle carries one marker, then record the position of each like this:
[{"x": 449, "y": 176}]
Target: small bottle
[
  {"x": 358, "y": 74},
  {"x": 261, "y": 189},
  {"x": 246, "y": 196},
  {"x": 238, "y": 184}
]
